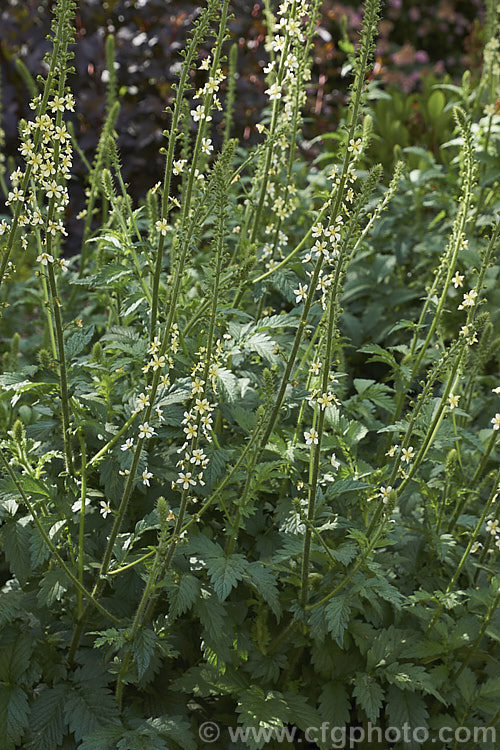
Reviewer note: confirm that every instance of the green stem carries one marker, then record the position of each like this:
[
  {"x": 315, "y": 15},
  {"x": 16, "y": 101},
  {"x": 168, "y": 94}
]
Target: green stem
[
  {"x": 129, "y": 565},
  {"x": 253, "y": 216},
  {"x": 448, "y": 261},
  {"x": 81, "y": 527},
  {"x": 133, "y": 632},
  {"x": 60, "y": 47},
  {"x": 285, "y": 633},
  {"x": 316, "y": 451},
  {"x": 350, "y": 574},
  {"x": 48, "y": 316},
  {"x": 466, "y": 553},
  {"x": 111, "y": 443},
  {"x": 95, "y": 185},
  {"x": 56, "y": 310},
  {"x": 174, "y": 132},
  {"x": 149, "y": 610},
  {"x": 92, "y": 600},
  {"x": 475, "y": 643},
  {"x": 479, "y": 470},
  {"x": 233, "y": 536},
  {"x": 303, "y": 242},
  {"x": 99, "y": 585},
  {"x": 204, "y": 508}
]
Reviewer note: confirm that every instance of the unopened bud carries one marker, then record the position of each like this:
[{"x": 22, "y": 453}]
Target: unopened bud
[
  {"x": 97, "y": 353},
  {"x": 451, "y": 461},
  {"x": 268, "y": 383},
  {"x": 18, "y": 432},
  {"x": 162, "y": 508},
  {"x": 44, "y": 359}
]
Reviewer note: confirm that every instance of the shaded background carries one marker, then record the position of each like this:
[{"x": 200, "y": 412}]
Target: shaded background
[{"x": 416, "y": 39}]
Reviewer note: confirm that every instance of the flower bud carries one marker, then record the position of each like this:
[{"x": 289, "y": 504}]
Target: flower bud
[
  {"x": 162, "y": 508},
  {"x": 97, "y": 353},
  {"x": 451, "y": 461},
  {"x": 18, "y": 432},
  {"x": 44, "y": 359}
]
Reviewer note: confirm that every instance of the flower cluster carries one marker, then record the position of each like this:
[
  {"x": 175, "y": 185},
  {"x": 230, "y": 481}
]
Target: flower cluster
[
  {"x": 142, "y": 401},
  {"x": 493, "y": 528},
  {"x": 209, "y": 90},
  {"x": 198, "y": 419},
  {"x": 491, "y": 58},
  {"x": 47, "y": 151},
  {"x": 197, "y": 424},
  {"x": 469, "y": 334},
  {"x": 469, "y": 299},
  {"x": 213, "y": 367},
  {"x": 162, "y": 362},
  {"x": 286, "y": 75}
]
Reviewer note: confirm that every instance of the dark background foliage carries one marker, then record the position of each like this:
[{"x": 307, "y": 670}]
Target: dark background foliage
[{"x": 416, "y": 38}]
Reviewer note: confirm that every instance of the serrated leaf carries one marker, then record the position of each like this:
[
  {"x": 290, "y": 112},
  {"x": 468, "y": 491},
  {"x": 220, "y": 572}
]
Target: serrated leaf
[
  {"x": 245, "y": 418},
  {"x": 262, "y": 708},
  {"x": 334, "y": 704},
  {"x": 203, "y": 547},
  {"x": 265, "y": 583},
  {"x": 110, "y": 637},
  {"x": 175, "y": 396},
  {"x": 14, "y": 711},
  {"x": 34, "y": 487},
  {"x": 122, "y": 334},
  {"x": 345, "y": 552},
  {"x": 301, "y": 712},
  {"x": 15, "y": 654},
  {"x": 411, "y": 677},
  {"x": 406, "y": 709},
  {"x": 225, "y": 572},
  {"x": 337, "y": 613},
  {"x": 13, "y": 379},
  {"x": 278, "y": 321},
  {"x": 11, "y": 605},
  {"x": 15, "y": 538},
  {"x": 317, "y": 624},
  {"x": 263, "y": 345},
  {"x": 176, "y": 727},
  {"x": 131, "y": 303},
  {"x": 143, "y": 648},
  {"x": 491, "y": 689},
  {"x": 285, "y": 282},
  {"x": 16, "y": 381},
  {"x": 39, "y": 549},
  {"x": 77, "y": 342},
  {"x": 183, "y": 595},
  {"x": 218, "y": 458},
  {"x": 386, "y": 591},
  {"x": 88, "y": 707},
  {"x": 377, "y": 393},
  {"x": 214, "y": 618},
  {"x": 47, "y": 719},
  {"x": 290, "y": 548},
  {"x": 467, "y": 684},
  {"x": 203, "y": 680},
  {"x": 104, "y": 738},
  {"x": 379, "y": 355},
  {"x": 369, "y": 695},
  {"x": 52, "y": 587},
  {"x": 104, "y": 277},
  {"x": 228, "y": 384}
]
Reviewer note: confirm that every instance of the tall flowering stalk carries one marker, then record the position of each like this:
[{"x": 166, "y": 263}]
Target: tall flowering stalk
[{"x": 39, "y": 195}]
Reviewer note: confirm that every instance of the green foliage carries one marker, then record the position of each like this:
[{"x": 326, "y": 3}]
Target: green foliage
[{"x": 249, "y": 453}]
